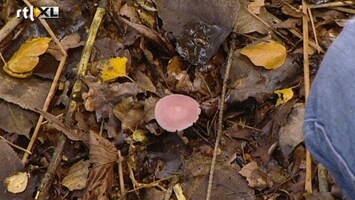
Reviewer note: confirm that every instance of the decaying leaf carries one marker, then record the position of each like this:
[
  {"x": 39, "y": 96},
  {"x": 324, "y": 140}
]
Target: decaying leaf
[
  {"x": 14, "y": 119},
  {"x": 130, "y": 113},
  {"x": 259, "y": 83},
  {"x": 197, "y": 167},
  {"x": 114, "y": 68},
  {"x": 284, "y": 96},
  {"x": 200, "y": 26},
  {"x": 270, "y": 55},
  {"x": 77, "y": 176},
  {"x": 291, "y": 134},
  {"x": 255, "y": 6},
  {"x": 27, "y": 57},
  {"x": 255, "y": 177},
  {"x": 139, "y": 135},
  {"x": 11, "y": 164},
  {"x": 143, "y": 81},
  {"x": 17, "y": 183},
  {"x": 102, "y": 97},
  {"x": 69, "y": 42},
  {"x": 28, "y": 93},
  {"x": 103, "y": 156}
]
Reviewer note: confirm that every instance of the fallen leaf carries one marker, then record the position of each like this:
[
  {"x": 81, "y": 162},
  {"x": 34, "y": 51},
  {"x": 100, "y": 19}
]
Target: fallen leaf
[
  {"x": 247, "y": 80},
  {"x": 102, "y": 97},
  {"x": 291, "y": 134},
  {"x": 14, "y": 119},
  {"x": 144, "y": 82},
  {"x": 72, "y": 134},
  {"x": 255, "y": 6},
  {"x": 28, "y": 93},
  {"x": 284, "y": 96},
  {"x": 139, "y": 135},
  {"x": 227, "y": 183},
  {"x": 17, "y": 182},
  {"x": 130, "y": 113},
  {"x": 149, "y": 105},
  {"x": 10, "y": 164},
  {"x": 116, "y": 67},
  {"x": 77, "y": 176},
  {"x": 103, "y": 155},
  {"x": 270, "y": 55},
  {"x": 27, "y": 57},
  {"x": 254, "y": 176},
  {"x": 199, "y": 26},
  {"x": 69, "y": 42}
]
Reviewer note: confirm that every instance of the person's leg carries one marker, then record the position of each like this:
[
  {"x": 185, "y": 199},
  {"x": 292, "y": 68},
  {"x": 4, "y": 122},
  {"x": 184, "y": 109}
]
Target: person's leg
[{"x": 330, "y": 113}]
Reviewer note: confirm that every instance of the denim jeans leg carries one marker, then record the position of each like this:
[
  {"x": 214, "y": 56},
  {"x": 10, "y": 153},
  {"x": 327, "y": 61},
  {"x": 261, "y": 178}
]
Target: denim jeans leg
[{"x": 330, "y": 114}]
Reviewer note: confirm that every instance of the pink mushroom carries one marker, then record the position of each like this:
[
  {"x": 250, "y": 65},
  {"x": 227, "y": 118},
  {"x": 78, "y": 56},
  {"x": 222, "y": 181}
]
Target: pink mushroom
[{"x": 176, "y": 112}]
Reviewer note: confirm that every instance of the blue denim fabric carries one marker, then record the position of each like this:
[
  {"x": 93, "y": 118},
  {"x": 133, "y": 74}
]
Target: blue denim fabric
[{"x": 330, "y": 114}]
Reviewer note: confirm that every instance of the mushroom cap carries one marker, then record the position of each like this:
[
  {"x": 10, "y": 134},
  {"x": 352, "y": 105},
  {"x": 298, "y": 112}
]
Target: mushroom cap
[{"x": 176, "y": 112}]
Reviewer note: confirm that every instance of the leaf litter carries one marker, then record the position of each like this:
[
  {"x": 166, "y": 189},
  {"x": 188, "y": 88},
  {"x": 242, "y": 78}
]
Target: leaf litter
[{"x": 146, "y": 50}]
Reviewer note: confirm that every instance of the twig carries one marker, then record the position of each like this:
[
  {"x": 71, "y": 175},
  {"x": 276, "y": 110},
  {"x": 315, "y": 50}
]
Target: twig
[
  {"x": 269, "y": 26},
  {"x": 332, "y": 4},
  {"x": 50, "y": 96},
  {"x": 9, "y": 26},
  {"x": 299, "y": 35},
  {"x": 53, "y": 88},
  {"x": 120, "y": 175},
  {"x": 220, "y": 118},
  {"x": 322, "y": 178},
  {"x": 46, "y": 183},
  {"x": 346, "y": 10},
  {"x": 313, "y": 29},
  {"x": 308, "y": 182},
  {"x": 42, "y": 193},
  {"x": 14, "y": 145}
]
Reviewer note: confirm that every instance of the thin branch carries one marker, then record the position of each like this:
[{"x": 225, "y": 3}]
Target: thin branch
[
  {"x": 220, "y": 118},
  {"x": 308, "y": 182},
  {"x": 9, "y": 27},
  {"x": 313, "y": 28},
  {"x": 332, "y": 4},
  {"x": 14, "y": 145}
]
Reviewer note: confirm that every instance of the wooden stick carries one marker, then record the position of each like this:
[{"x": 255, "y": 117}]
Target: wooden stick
[
  {"x": 52, "y": 89},
  {"x": 220, "y": 118},
  {"x": 308, "y": 182},
  {"x": 313, "y": 29},
  {"x": 332, "y": 4},
  {"x": 9, "y": 27}
]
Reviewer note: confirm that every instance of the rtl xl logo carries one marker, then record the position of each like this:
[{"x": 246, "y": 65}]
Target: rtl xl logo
[{"x": 43, "y": 12}]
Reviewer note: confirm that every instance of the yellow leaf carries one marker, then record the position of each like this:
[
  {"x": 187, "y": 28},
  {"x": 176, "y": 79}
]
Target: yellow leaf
[
  {"x": 27, "y": 57},
  {"x": 17, "y": 183},
  {"x": 139, "y": 135},
  {"x": 115, "y": 68},
  {"x": 270, "y": 55},
  {"x": 284, "y": 96}
]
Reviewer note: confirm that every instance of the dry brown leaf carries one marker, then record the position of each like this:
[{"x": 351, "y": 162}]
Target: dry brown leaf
[
  {"x": 130, "y": 113},
  {"x": 14, "y": 119},
  {"x": 270, "y": 55},
  {"x": 144, "y": 82},
  {"x": 68, "y": 42},
  {"x": 291, "y": 134},
  {"x": 101, "y": 97},
  {"x": 254, "y": 176},
  {"x": 72, "y": 134},
  {"x": 255, "y": 6},
  {"x": 77, "y": 176},
  {"x": 10, "y": 164},
  {"x": 103, "y": 156}
]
